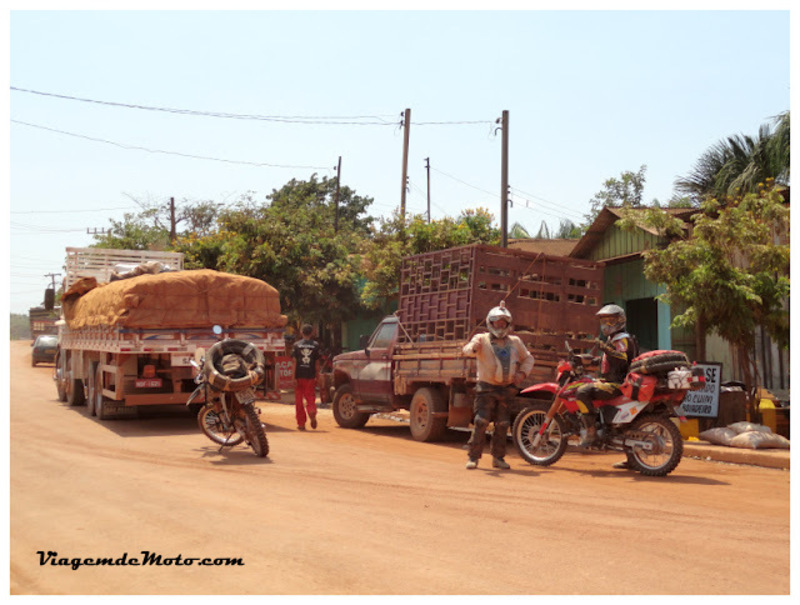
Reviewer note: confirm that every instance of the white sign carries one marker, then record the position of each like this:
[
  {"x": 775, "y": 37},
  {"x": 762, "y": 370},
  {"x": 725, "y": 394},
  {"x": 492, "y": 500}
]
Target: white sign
[
  {"x": 705, "y": 402},
  {"x": 179, "y": 360}
]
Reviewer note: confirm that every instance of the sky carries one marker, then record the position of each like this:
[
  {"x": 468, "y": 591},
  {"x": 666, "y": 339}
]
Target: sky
[{"x": 112, "y": 109}]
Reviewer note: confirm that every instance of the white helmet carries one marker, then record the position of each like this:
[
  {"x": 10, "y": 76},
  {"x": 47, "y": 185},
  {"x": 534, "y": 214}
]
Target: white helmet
[
  {"x": 612, "y": 319},
  {"x": 496, "y": 314}
]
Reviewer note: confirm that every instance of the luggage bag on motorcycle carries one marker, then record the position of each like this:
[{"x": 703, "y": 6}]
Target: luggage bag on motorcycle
[{"x": 639, "y": 387}]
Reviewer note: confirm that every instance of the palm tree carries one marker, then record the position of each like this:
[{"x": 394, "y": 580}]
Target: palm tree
[
  {"x": 739, "y": 163},
  {"x": 517, "y": 231}
]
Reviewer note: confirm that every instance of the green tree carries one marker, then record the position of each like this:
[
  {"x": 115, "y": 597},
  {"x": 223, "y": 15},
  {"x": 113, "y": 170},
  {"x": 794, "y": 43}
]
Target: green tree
[
  {"x": 291, "y": 243},
  {"x": 732, "y": 274},
  {"x": 517, "y": 231},
  {"x": 740, "y": 164},
  {"x": 626, "y": 191}
]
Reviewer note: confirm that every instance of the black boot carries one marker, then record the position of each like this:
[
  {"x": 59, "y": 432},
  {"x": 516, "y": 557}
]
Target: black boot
[{"x": 589, "y": 421}]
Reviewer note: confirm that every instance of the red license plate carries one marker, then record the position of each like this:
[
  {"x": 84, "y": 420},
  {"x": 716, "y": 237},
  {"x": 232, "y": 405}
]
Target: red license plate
[{"x": 148, "y": 383}]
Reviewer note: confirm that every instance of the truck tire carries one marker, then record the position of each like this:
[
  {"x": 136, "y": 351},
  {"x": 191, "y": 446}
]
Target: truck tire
[
  {"x": 344, "y": 409},
  {"x": 75, "y": 394},
  {"x": 424, "y": 425},
  {"x": 58, "y": 373},
  {"x": 91, "y": 390}
]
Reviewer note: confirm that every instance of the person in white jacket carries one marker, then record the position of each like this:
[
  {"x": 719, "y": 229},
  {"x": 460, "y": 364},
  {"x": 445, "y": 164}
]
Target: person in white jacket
[{"x": 503, "y": 363}]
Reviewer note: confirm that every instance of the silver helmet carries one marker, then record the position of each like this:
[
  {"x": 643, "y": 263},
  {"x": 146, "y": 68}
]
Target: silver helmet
[
  {"x": 495, "y": 315},
  {"x": 612, "y": 319}
]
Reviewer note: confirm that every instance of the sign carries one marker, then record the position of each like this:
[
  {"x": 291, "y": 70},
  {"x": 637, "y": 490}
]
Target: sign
[
  {"x": 180, "y": 360},
  {"x": 705, "y": 402},
  {"x": 284, "y": 373}
]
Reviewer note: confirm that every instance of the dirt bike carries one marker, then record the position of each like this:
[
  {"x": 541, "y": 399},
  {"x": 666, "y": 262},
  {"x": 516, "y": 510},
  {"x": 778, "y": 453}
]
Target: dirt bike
[
  {"x": 637, "y": 422},
  {"x": 227, "y": 375}
]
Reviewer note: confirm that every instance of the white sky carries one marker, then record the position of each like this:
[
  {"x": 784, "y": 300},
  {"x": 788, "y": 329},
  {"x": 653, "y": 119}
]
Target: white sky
[{"x": 590, "y": 94}]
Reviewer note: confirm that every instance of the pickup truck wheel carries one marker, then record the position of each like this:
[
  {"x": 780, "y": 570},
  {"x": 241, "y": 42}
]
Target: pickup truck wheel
[
  {"x": 344, "y": 409},
  {"x": 424, "y": 425}
]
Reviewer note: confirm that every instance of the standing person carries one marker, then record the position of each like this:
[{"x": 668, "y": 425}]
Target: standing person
[
  {"x": 306, "y": 357},
  {"x": 619, "y": 349},
  {"x": 503, "y": 363}
]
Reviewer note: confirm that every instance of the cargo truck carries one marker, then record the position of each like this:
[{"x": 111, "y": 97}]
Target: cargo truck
[
  {"x": 414, "y": 361},
  {"x": 132, "y": 321}
]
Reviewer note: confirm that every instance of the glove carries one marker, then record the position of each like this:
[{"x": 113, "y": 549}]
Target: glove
[{"x": 602, "y": 345}]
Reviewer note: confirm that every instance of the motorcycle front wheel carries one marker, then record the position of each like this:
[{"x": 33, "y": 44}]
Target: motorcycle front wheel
[
  {"x": 256, "y": 434},
  {"x": 553, "y": 442},
  {"x": 667, "y": 446},
  {"x": 216, "y": 428}
]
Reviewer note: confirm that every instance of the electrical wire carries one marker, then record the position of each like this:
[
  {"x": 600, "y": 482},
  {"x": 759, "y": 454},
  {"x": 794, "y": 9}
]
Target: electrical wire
[
  {"x": 184, "y": 155},
  {"x": 334, "y": 120}
]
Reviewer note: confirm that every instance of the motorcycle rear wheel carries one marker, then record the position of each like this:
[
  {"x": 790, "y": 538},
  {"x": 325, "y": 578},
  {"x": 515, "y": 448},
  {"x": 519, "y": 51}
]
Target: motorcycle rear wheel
[
  {"x": 255, "y": 432},
  {"x": 213, "y": 425},
  {"x": 668, "y": 443},
  {"x": 553, "y": 443}
]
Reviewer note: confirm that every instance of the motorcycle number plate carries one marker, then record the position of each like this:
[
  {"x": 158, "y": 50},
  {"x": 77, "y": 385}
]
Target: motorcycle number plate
[
  {"x": 148, "y": 383},
  {"x": 246, "y": 396}
]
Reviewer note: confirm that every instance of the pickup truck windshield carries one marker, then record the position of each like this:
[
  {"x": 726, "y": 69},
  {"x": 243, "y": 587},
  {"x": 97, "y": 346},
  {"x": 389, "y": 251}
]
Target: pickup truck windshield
[{"x": 384, "y": 336}]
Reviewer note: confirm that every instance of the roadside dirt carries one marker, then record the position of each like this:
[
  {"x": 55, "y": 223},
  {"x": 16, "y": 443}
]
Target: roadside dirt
[{"x": 370, "y": 511}]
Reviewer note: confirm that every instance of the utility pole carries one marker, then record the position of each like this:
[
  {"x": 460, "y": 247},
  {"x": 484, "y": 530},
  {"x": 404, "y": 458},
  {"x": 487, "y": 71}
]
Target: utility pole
[
  {"x": 428, "y": 170},
  {"x": 172, "y": 234},
  {"x": 336, "y": 199},
  {"x": 406, "y": 134},
  {"x": 504, "y": 182}
]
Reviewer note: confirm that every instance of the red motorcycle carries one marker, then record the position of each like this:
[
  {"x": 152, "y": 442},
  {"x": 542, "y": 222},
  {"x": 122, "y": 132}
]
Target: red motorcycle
[{"x": 637, "y": 422}]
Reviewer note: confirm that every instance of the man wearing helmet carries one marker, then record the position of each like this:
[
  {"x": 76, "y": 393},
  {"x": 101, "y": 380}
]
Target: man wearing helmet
[
  {"x": 503, "y": 363},
  {"x": 619, "y": 349}
]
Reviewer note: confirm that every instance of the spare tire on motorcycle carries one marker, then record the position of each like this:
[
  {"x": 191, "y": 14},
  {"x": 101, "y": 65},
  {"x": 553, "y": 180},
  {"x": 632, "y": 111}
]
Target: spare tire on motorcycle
[
  {"x": 233, "y": 365},
  {"x": 659, "y": 362}
]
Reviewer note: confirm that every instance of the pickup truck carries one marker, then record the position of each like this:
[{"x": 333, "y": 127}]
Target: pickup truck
[{"x": 414, "y": 360}]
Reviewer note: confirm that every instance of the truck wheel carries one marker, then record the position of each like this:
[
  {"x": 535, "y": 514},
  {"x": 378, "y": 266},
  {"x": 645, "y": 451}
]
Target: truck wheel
[
  {"x": 75, "y": 394},
  {"x": 424, "y": 425},
  {"x": 345, "y": 412},
  {"x": 91, "y": 389},
  {"x": 58, "y": 376}
]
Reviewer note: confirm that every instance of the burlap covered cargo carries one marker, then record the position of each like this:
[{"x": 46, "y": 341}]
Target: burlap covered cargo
[{"x": 178, "y": 299}]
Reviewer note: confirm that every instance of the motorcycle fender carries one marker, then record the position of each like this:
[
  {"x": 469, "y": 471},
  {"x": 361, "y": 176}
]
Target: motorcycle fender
[
  {"x": 627, "y": 412},
  {"x": 195, "y": 394},
  {"x": 543, "y": 387}
]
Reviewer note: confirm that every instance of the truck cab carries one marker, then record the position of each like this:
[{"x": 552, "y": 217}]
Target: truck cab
[{"x": 367, "y": 374}]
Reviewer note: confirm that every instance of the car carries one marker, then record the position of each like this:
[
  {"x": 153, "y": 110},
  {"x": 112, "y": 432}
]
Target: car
[{"x": 44, "y": 349}]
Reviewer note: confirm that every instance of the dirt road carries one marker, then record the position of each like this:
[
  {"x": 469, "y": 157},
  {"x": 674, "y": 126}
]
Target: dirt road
[{"x": 337, "y": 511}]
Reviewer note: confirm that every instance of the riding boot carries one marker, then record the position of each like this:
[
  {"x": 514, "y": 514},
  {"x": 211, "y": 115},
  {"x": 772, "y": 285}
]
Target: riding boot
[{"x": 589, "y": 421}]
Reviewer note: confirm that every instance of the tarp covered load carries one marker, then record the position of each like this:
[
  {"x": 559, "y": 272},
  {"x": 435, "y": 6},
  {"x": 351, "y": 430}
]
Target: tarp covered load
[{"x": 177, "y": 299}]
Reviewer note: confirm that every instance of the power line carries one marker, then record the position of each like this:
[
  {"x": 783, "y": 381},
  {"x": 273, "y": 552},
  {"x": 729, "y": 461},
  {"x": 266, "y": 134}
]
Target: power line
[
  {"x": 185, "y": 155},
  {"x": 366, "y": 120},
  {"x": 70, "y": 211},
  {"x": 344, "y": 120}
]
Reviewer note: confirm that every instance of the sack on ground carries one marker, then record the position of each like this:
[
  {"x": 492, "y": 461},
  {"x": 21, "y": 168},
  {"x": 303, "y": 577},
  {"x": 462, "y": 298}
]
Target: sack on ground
[
  {"x": 744, "y": 427},
  {"x": 718, "y": 436},
  {"x": 760, "y": 440}
]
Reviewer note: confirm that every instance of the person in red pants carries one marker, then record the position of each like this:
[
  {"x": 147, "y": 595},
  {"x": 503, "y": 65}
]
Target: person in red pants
[{"x": 306, "y": 354}]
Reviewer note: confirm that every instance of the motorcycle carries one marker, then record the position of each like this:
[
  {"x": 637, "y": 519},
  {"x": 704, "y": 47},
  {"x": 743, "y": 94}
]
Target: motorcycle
[
  {"x": 227, "y": 374},
  {"x": 637, "y": 422}
]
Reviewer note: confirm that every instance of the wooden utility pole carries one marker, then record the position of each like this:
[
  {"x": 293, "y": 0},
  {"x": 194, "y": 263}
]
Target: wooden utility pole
[
  {"x": 504, "y": 182},
  {"x": 336, "y": 201},
  {"x": 428, "y": 170},
  {"x": 406, "y": 134},
  {"x": 172, "y": 233}
]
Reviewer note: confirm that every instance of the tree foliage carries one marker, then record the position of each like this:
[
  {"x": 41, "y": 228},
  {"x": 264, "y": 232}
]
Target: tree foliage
[
  {"x": 626, "y": 191},
  {"x": 732, "y": 275},
  {"x": 740, "y": 164}
]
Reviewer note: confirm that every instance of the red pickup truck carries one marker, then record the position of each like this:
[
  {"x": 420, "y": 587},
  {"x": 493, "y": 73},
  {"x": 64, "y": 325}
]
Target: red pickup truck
[{"x": 414, "y": 359}]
